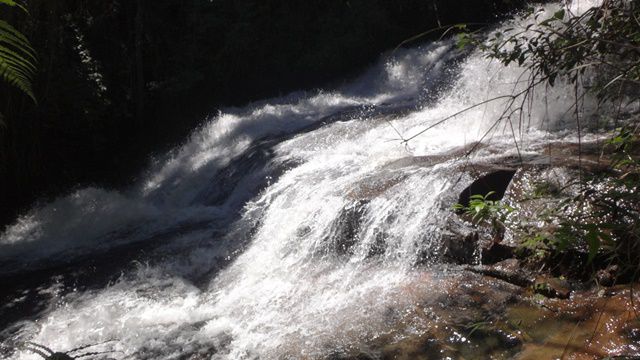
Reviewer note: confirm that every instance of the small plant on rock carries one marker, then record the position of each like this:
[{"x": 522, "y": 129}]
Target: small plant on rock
[{"x": 483, "y": 210}]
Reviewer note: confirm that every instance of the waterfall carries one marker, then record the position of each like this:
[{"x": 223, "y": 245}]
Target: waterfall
[{"x": 294, "y": 227}]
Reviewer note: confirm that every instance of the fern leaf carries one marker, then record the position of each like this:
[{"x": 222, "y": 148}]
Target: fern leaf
[
  {"x": 14, "y": 3},
  {"x": 14, "y": 77},
  {"x": 17, "y": 75},
  {"x": 15, "y": 38},
  {"x": 17, "y": 57},
  {"x": 9, "y": 54},
  {"x": 19, "y": 70}
]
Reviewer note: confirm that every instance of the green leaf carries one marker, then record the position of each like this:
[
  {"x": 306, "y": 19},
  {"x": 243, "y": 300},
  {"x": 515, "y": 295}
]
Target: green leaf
[
  {"x": 9, "y": 34},
  {"x": 559, "y": 14},
  {"x": 593, "y": 243},
  {"x": 17, "y": 57},
  {"x": 463, "y": 40},
  {"x": 546, "y": 22},
  {"x": 14, "y": 3}
]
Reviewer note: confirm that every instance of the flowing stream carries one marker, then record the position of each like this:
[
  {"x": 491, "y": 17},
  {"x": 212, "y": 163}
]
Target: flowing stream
[{"x": 301, "y": 226}]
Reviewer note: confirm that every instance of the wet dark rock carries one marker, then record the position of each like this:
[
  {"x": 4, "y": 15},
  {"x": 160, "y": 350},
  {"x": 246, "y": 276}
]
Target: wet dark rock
[
  {"x": 460, "y": 248},
  {"x": 496, "y": 252},
  {"x": 509, "y": 270},
  {"x": 497, "y": 338},
  {"x": 495, "y": 181},
  {"x": 344, "y": 233},
  {"x": 379, "y": 245},
  {"x": 465, "y": 245},
  {"x": 634, "y": 334},
  {"x": 608, "y": 276},
  {"x": 552, "y": 287}
]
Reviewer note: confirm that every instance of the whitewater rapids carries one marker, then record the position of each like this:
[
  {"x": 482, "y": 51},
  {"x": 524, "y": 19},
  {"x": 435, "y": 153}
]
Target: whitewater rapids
[{"x": 293, "y": 227}]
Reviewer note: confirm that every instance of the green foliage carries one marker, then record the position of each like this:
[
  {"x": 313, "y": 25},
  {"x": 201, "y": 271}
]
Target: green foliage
[
  {"x": 600, "y": 220},
  {"x": 478, "y": 326},
  {"x": 14, "y": 3},
  {"x": 610, "y": 224},
  {"x": 482, "y": 209},
  {"x": 17, "y": 57},
  {"x": 539, "y": 245},
  {"x": 625, "y": 149},
  {"x": 602, "y": 43},
  {"x": 604, "y": 39},
  {"x": 541, "y": 287}
]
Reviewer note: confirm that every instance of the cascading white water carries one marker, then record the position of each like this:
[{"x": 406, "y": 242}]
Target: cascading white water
[{"x": 314, "y": 209}]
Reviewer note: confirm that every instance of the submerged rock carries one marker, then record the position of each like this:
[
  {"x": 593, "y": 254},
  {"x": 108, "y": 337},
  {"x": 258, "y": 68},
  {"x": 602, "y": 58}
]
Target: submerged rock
[
  {"x": 589, "y": 326},
  {"x": 485, "y": 318}
]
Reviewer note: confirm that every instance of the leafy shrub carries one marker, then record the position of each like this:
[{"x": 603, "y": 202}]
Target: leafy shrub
[{"x": 601, "y": 220}]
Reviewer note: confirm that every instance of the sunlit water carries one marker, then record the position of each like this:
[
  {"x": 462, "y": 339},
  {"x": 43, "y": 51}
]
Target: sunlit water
[{"x": 292, "y": 227}]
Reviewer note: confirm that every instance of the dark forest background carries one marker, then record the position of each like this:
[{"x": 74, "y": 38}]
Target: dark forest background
[{"x": 119, "y": 80}]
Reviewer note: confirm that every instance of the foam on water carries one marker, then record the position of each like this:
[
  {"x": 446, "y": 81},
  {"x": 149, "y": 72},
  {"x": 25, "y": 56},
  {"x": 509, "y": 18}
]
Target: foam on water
[{"x": 319, "y": 258}]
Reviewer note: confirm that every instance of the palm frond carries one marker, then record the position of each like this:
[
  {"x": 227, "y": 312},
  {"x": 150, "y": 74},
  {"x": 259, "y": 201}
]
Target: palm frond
[
  {"x": 17, "y": 57},
  {"x": 14, "y": 3},
  {"x": 12, "y": 36}
]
